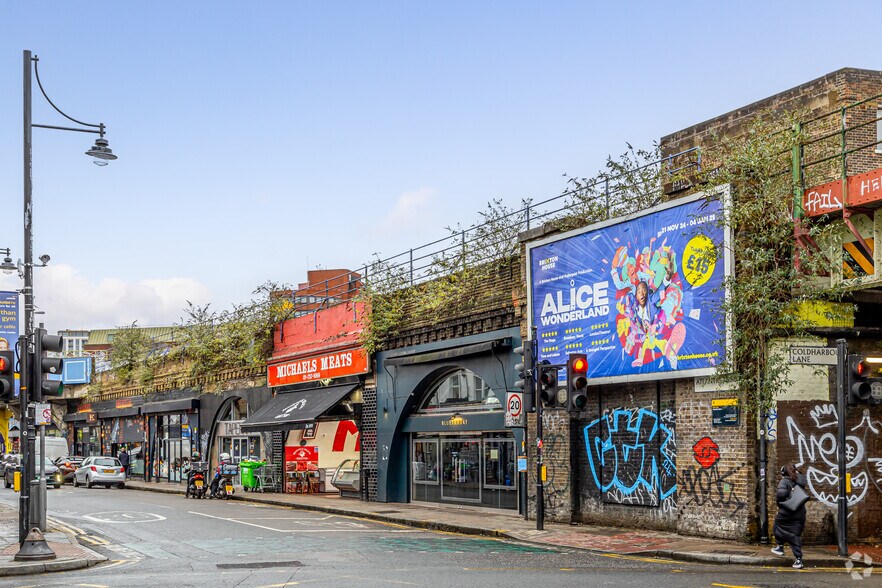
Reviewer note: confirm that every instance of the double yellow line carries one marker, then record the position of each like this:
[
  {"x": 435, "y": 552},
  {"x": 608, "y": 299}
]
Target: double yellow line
[{"x": 80, "y": 534}]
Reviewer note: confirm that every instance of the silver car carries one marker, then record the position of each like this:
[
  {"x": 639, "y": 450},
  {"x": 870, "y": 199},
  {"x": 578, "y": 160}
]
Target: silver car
[{"x": 100, "y": 470}]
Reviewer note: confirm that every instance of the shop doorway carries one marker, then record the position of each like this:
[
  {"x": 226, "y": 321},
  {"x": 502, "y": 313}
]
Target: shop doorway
[{"x": 461, "y": 470}]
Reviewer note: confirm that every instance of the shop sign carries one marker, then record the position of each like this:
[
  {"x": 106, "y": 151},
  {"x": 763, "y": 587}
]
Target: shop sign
[
  {"x": 331, "y": 365},
  {"x": 229, "y": 428},
  {"x": 84, "y": 408},
  {"x": 455, "y": 421},
  {"x": 92, "y": 418},
  {"x": 124, "y": 403},
  {"x": 726, "y": 412},
  {"x": 303, "y": 453},
  {"x": 514, "y": 410}
]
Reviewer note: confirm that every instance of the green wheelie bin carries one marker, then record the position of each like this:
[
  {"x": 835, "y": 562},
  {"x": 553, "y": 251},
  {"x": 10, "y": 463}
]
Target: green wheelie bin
[{"x": 246, "y": 471}]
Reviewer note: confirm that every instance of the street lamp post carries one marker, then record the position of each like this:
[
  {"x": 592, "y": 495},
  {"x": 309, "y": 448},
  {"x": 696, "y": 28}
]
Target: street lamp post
[{"x": 29, "y": 388}]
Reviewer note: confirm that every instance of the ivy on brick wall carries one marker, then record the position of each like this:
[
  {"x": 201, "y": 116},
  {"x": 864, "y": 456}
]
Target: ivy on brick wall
[{"x": 766, "y": 287}]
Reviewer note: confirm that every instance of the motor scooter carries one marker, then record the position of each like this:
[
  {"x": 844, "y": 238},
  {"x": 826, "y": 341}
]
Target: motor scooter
[
  {"x": 196, "y": 486},
  {"x": 222, "y": 484}
]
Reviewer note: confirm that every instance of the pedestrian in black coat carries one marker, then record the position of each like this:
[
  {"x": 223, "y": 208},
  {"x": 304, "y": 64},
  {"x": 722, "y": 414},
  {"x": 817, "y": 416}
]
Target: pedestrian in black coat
[
  {"x": 124, "y": 460},
  {"x": 789, "y": 524}
]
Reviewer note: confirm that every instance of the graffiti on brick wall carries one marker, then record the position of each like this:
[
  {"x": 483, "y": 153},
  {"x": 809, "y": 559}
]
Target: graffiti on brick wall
[
  {"x": 556, "y": 433},
  {"x": 817, "y": 447},
  {"x": 632, "y": 457},
  {"x": 705, "y": 484}
]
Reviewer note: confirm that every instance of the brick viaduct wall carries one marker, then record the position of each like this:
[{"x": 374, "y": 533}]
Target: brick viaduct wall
[{"x": 646, "y": 455}]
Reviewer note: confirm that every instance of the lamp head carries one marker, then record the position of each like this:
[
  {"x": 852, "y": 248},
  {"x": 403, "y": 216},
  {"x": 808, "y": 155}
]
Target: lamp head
[
  {"x": 101, "y": 152},
  {"x": 7, "y": 267}
]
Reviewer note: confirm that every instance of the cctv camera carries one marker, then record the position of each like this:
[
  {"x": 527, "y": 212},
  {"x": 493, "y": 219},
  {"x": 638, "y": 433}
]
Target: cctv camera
[{"x": 45, "y": 259}]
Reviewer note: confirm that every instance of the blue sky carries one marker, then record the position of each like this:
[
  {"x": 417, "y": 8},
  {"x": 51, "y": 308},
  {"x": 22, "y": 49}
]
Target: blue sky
[{"x": 259, "y": 140}]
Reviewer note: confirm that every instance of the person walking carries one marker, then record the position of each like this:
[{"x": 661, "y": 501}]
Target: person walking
[
  {"x": 124, "y": 460},
  {"x": 789, "y": 524}
]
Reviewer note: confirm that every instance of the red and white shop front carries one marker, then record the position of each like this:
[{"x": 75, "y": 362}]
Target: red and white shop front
[{"x": 316, "y": 406}]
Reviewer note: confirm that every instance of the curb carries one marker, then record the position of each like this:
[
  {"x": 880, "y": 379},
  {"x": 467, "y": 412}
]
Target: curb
[
  {"x": 688, "y": 556},
  {"x": 60, "y": 565}
]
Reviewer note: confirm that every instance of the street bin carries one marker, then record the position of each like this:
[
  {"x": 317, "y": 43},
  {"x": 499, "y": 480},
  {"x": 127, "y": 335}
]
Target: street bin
[{"x": 246, "y": 471}]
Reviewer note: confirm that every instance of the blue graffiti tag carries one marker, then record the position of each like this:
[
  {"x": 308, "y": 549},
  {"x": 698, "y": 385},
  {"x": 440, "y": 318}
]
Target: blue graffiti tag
[{"x": 623, "y": 450}]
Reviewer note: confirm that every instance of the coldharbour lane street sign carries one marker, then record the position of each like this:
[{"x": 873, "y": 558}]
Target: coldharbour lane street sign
[{"x": 813, "y": 355}]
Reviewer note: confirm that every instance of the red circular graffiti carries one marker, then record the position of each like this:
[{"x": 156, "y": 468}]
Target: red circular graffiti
[{"x": 706, "y": 452}]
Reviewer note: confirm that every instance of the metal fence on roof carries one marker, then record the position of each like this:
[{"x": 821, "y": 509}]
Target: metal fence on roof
[{"x": 605, "y": 196}]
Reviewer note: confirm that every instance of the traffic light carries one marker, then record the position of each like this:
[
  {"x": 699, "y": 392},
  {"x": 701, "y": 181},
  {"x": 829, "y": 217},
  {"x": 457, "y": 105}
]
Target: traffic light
[
  {"x": 7, "y": 375},
  {"x": 858, "y": 386},
  {"x": 547, "y": 383},
  {"x": 44, "y": 365},
  {"x": 577, "y": 382},
  {"x": 525, "y": 374}
]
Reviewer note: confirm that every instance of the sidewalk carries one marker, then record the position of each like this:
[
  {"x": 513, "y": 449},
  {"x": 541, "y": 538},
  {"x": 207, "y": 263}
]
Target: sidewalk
[
  {"x": 70, "y": 554},
  {"x": 608, "y": 540}
]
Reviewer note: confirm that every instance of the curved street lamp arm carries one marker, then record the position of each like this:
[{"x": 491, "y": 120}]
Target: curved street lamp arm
[{"x": 79, "y": 122}]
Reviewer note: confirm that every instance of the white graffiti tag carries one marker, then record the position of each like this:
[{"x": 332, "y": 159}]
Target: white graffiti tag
[{"x": 818, "y": 453}]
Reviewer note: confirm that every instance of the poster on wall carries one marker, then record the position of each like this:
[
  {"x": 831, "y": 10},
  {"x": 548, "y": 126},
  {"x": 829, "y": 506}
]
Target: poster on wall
[
  {"x": 641, "y": 296},
  {"x": 9, "y": 325}
]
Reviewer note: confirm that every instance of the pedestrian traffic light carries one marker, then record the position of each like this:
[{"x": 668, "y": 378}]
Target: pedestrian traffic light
[
  {"x": 43, "y": 365},
  {"x": 7, "y": 375},
  {"x": 577, "y": 382},
  {"x": 524, "y": 379},
  {"x": 547, "y": 383}
]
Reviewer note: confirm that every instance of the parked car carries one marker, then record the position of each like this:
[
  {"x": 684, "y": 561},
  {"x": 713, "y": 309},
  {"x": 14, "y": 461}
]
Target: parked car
[
  {"x": 100, "y": 470},
  {"x": 54, "y": 476},
  {"x": 68, "y": 465}
]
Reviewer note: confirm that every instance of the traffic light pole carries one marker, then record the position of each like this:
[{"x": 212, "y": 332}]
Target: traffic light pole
[
  {"x": 540, "y": 489},
  {"x": 842, "y": 409},
  {"x": 27, "y": 424}
]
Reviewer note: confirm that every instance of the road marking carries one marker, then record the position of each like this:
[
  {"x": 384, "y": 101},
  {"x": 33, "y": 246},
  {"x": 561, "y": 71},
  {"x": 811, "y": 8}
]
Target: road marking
[
  {"x": 93, "y": 540},
  {"x": 134, "y": 517},
  {"x": 729, "y": 586},
  {"x": 114, "y": 564},
  {"x": 93, "y": 585},
  {"x": 349, "y": 529}
]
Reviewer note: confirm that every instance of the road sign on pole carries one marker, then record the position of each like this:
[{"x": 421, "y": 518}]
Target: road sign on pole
[{"x": 514, "y": 410}]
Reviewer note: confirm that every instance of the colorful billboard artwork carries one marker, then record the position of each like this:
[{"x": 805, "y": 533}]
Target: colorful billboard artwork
[
  {"x": 9, "y": 324},
  {"x": 640, "y": 297}
]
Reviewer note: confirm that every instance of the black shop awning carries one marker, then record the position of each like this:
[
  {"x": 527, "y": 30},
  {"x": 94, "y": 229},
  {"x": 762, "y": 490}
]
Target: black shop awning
[
  {"x": 170, "y": 406},
  {"x": 119, "y": 412},
  {"x": 292, "y": 410}
]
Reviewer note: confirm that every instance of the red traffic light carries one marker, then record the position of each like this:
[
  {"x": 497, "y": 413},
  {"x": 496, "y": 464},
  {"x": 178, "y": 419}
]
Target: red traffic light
[
  {"x": 4, "y": 365},
  {"x": 580, "y": 365},
  {"x": 862, "y": 368}
]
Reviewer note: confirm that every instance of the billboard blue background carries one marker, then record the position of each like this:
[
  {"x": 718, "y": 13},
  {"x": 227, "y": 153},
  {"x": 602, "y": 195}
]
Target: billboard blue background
[
  {"x": 642, "y": 296},
  {"x": 9, "y": 326}
]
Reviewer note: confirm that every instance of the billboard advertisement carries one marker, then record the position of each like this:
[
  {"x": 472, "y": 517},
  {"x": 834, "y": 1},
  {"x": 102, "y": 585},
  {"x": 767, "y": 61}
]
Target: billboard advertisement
[
  {"x": 9, "y": 325},
  {"x": 641, "y": 296}
]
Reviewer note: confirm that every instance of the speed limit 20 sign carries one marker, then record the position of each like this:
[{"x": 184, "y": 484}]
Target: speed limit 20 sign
[{"x": 514, "y": 410}]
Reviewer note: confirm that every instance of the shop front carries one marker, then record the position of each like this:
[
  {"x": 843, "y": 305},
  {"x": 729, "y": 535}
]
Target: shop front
[
  {"x": 84, "y": 433},
  {"x": 123, "y": 428},
  {"x": 319, "y": 432},
  {"x": 441, "y": 416},
  {"x": 171, "y": 427}
]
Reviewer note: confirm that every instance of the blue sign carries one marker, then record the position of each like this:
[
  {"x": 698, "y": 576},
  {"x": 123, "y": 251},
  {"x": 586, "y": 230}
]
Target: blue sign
[
  {"x": 640, "y": 297},
  {"x": 9, "y": 325}
]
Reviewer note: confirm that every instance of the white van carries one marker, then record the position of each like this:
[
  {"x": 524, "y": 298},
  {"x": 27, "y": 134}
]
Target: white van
[{"x": 55, "y": 447}]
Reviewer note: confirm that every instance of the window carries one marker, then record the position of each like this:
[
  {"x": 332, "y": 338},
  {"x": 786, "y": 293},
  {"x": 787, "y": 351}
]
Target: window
[
  {"x": 425, "y": 462},
  {"x": 462, "y": 389}
]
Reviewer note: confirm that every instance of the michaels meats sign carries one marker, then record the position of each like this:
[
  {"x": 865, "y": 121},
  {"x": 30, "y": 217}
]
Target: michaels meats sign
[
  {"x": 320, "y": 367},
  {"x": 641, "y": 296}
]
